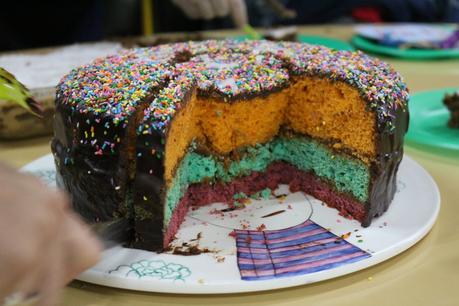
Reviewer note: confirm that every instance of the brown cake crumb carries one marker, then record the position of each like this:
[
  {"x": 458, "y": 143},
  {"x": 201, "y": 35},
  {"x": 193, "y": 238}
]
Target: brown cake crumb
[
  {"x": 451, "y": 101},
  {"x": 187, "y": 250}
]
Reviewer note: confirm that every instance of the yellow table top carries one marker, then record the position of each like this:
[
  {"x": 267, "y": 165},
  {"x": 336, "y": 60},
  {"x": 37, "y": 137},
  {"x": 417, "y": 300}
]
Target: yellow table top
[{"x": 426, "y": 274}]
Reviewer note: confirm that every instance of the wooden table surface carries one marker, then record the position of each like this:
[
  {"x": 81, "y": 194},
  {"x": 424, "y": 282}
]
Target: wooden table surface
[{"x": 426, "y": 274}]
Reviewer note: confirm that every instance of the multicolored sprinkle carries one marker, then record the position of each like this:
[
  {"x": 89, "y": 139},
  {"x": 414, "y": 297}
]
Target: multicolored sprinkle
[
  {"x": 114, "y": 86},
  {"x": 117, "y": 86},
  {"x": 378, "y": 83}
]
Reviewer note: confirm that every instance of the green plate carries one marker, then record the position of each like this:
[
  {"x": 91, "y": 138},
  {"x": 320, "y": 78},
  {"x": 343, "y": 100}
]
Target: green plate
[
  {"x": 414, "y": 54},
  {"x": 326, "y": 41},
  {"x": 428, "y": 122},
  {"x": 317, "y": 40}
]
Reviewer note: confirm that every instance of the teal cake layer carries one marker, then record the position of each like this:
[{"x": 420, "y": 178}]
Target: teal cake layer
[{"x": 346, "y": 174}]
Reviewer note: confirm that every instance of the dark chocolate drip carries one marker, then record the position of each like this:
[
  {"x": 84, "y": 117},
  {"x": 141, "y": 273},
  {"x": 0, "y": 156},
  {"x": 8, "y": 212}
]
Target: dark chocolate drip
[
  {"x": 148, "y": 193},
  {"x": 99, "y": 182},
  {"x": 384, "y": 169},
  {"x": 96, "y": 183},
  {"x": 212, "y": 93}
]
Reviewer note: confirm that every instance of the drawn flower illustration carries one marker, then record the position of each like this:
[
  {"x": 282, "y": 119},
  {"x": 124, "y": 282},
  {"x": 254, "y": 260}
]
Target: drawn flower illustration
[{"x": 155, "y": 268}]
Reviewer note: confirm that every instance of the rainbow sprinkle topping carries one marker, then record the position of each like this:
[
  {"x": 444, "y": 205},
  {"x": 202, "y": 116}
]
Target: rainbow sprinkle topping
[{"x": 118, "y": 86}]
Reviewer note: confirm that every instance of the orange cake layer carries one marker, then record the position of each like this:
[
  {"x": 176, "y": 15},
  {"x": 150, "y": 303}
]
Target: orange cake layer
[{"x": 330, "y": 111}]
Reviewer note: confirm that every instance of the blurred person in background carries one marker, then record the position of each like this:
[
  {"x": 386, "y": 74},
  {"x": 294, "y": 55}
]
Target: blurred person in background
[
  {"x": 208, "y": 14},
  {"x": 28, "y": 24}
]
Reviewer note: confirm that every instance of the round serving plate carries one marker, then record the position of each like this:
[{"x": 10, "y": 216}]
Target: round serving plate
[
  {"x": 414, "y": 54},
  {"x": 288, "y": 239},
  {"x": 429, "y": 123}
]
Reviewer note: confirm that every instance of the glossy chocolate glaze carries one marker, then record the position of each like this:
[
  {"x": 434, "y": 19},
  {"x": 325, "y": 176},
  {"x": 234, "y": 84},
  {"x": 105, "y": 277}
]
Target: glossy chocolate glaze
[
  {"x": 97, "y": 184},
  {"x": 384, "y": 169},
  {"x": 148, "y": 192}
]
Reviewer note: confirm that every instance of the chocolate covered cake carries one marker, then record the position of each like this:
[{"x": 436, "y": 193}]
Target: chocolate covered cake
[
  {"x": 147, "y": 133},
  {"x": 451, "y": 101}
]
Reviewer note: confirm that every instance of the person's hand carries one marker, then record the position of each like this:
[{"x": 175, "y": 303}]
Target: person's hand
[
  {"x": 209, "y": 9},
  {"x": 43, "y": 244}
]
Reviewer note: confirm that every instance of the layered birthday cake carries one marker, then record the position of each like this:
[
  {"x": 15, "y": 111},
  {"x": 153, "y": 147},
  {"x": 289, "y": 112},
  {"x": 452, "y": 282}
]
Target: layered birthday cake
[{"x": 148, "y": 133}]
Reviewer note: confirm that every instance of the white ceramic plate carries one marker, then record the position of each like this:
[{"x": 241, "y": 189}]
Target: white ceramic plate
[
  {"x": 308, "y": 242},
  {"x": 406, "y": 32}
]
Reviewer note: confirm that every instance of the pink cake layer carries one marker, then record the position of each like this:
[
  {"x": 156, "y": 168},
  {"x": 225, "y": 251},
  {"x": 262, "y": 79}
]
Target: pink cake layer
[{"x": 277, "y": 173}]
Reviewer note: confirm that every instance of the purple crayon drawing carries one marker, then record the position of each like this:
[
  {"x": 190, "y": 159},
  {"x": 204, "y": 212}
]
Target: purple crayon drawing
[{"x": 301, "y": 249}]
